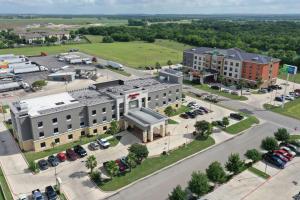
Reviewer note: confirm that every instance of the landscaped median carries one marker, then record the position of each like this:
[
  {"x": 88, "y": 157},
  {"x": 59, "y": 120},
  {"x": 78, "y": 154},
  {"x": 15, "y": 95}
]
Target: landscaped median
[
  {"x": 4, "y": 189},
  {"x": 151, "y": 165},
  {"x": 291, "y": 109},
  {"x": 259, "y": 173},
  {"x": 206, "y": 88},
  {"x": 242, "y": 125}
]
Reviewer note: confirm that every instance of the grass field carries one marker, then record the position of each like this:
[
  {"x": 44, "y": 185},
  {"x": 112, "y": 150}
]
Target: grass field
[
  {"x": 4, "y": 188},
  {"x": 291, "y": 109},
  {"x": 242, "y": 125},
  {"x": 206, "y": 88},
  {"x": 259, "y": 173},
  {"x": 150, "y": 165},
  {"x": 94, "y": 38},
  {"x": 292, "y": 78},
  {"x": 131, "y": 54}
]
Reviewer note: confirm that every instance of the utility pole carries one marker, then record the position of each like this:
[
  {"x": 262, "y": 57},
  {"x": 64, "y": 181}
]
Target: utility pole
[{"x": 285, "y": 90}]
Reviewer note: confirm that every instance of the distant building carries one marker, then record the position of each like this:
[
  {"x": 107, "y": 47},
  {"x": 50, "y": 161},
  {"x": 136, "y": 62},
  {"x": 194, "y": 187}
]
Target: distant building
[
  {"x": 233, "y": 64},
  {"x": 62, "y": 118},
  {"x": 33, "y": 36}
]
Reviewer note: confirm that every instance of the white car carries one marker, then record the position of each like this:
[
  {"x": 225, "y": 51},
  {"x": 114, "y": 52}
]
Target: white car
[
  {"x": 103, "y": 143},
  {"x": 226, "y": 90},
  {"x": 23, "y": 197},
  {"x": 289, "y": 151},
  {"x": 289, "y": 97}
]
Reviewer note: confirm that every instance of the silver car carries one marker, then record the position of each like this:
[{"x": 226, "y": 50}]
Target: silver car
[{"x": 94, "y": 146}]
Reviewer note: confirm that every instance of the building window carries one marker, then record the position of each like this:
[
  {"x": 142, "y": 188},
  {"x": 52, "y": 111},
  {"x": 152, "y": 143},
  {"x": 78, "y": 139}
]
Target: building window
[
  {"x": 177, "y": 98},
  {"x": 164, "y": 102},
  {"x": 113, "y": 107},
  {"x": 55, "y": 131},
  {"x": 68, "y": 117},
  {"x": 169, "y": 100},
  {"x": 70, "y": 137},
  {"x": 156, "y": 104},
  {"x": 226, "y": 62},
  {"x": 156, "y": 96},
  {"x": 177, "y": 90},
  {"x": 81, "y": 124},
  {"x": 70, "y": 127},
  {"x": 225, "y": 68},
  {"x": 149, "y": 98},
  {"x": 114, "y": 116},
  {"x": 82, "y": 133},
  {"x": 195, "y": 57},
  {"x": 95, "y": 121},
  {"x": 95, "y": 131},
  {"x": 230, "y": 69},
  {"x": 170, "y": 91},
  {"x": 121, "y": 114},
  {"x": 165, "y": 94},
  {"x": 231, "y": 63},
  {"x": 56, "y": 141},
  {"x": 40, "y": 124},
  {"x": 236, "y": 64},
  {"x": 94, "y": 112},
  {"x": 104, "y": 128},
  {"x": 225, "y": 73},
  {"x": 104, "y": 119},
  {"x": 41, "y": 134},
  {"x": 54, "y": 120},
  {"x": 230, "y": 74},
  {"x": 103, "y": 110},
  {"x": 43, "y": 144}
]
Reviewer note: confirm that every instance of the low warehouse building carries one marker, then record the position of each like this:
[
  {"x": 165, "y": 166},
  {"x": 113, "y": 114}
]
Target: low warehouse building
[{"x": 62, "y": 76}]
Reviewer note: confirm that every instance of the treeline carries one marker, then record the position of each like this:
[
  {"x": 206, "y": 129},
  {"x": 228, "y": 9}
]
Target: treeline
[{"x": 280, "y": 39}]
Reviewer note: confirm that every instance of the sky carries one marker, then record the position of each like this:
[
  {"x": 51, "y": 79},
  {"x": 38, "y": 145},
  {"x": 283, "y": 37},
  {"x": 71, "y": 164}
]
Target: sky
[{"x": 150, "y": 6}]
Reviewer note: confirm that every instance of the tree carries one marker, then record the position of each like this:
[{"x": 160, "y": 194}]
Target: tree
[
  {"x": 241, "y": 85},
  {"x": 169, "y": 111},
  {"x": 203, "y": 128},
  {"x": 96, "y": 176},
  {"x": 112, "y": 168},
  {"x": 107, "y": 39},
  {"x": 198, "y": 184},
  {"x": 157, "y": 66},
  {"x": 221, "y": 80},
  {"x": 269, "y": 144},
  {"x": 114, "y": 128},
  {"x": 253, "y": 155},
  {"x": 131, "y": 160},
  {"x": 140, "y": 151},
  {"x": 225, "y": 121},
  {"x": 169, "y": 63},
  {"x": 216, "y": 173},
  {"x": 234, "y": 163},
  {"x": 178, "y": 194},
  {"x": 91, "y": 163},
  {"x": 39, "y": 83},
  {"x": 282, "y": 135}
]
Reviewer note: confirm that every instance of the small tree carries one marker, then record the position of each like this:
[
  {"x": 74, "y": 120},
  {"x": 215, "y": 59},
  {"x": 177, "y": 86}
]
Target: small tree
[
  {"x": 91, "y": 163},
  {"x": 225, "y": 121},
  {"x": 96, "y": 176},
  {"x": 131, "y": 160},
  {"x": 140, "y": 151},
  {"x": 234, "y": 164},
  {"x": 198, "y": 184},
  {"x": 269, "y": 144},
  {"x": 282, "y": 135},
  {"x": 203, "y": 128},
  {"x": 253, "y": 155},
  {"x": 169, "y": 63},
  {"x": 39, "y": 84},
  {"x": 114, "y": 128},
  {"x": 107, "y": 39},
  {"x": 169, "y": 111},
  {"x": 216, "y": 173},
  {"x": 157, "y": 66},
  {"x": 178, "y": 194},
  {"x": 112, "y": 168},
  {"x": 33, "y": 167}
]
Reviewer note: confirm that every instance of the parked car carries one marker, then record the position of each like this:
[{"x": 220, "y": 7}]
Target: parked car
[
  {"x": 184, "y": 116},
  {"x": 53, "y": 161},
  {"x": 215, "y": 87},
  {"x": 220, "y": 123},
  {"x": 280, "y": 99},
  {"x": 291, "y": 147},
  {"x": 43, "y": 164},
  {"x": 263, "y": 91},
  {"x": 275, "y": 87},
  {"x": 284, "y": 153},
  {"x": 103, "y": 143},
  {"x": 94, "y": 146},
  {"x": 283, "y": 158},
  {"x": 198, "y": 112},
  {"x": 274, "y": 160},
  {"x": 191, "y": 114},
  {"x": 124, "y": 162},
  {"x": 226, "y": 91},
  {"x": 23, "y": 197},
  {"x": 71, "y": 155},
  {"x": 37, "y": 195},
  {"x": 122, "y": 167},
  {"x": 61, "y": 156},
  {"x": 234, "y": 93},
  {"x": 191, "y": 103},
  {"x": 50, "y": 193},
  {"x": 80, "y": 151},
  {"x": 288, "y": 150},
  {"x": 289, "y": 97},
  {"x": 204, "y": 109},
  {"x": 236, "y": 116}
]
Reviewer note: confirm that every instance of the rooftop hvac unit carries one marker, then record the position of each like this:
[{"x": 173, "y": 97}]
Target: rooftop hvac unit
[{"x": 23, "y": 106}]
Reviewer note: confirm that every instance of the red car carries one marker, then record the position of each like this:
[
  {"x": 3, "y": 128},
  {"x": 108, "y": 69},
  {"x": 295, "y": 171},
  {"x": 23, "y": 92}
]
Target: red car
[
  {"x": 284, "y": 153},
  {"x": 282, "y": 157},
  {"x": 71, "y": 154},
  {"x": 61, "y": 156},
  {"x": 122, "y": 168}
]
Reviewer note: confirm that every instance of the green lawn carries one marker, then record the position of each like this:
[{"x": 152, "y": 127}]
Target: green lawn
[
  {"x": 242, "y": 125},
  {"x": 94, "y": 38},
  {"x": 122, "y": 72},
  {"x": 259, "y": 173},
  {"x": 171, "y": 121},
  {"x": 32, "y": 156},
  {"x": 181, "y": 110},
  {"x": 206, "y": 88},
  {"x": 291, "y": 109},
  {"x": 4, "y": 188},
  {"x": 151, "y": 165},
  {"x": 131, "y": 54},
  {"x": 172, "y": 44}
]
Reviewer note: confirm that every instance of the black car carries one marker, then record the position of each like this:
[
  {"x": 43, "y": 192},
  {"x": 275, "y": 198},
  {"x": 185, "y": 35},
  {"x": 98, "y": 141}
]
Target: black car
[
  {"x": 204, "y": 109},
  {"x": 50, "y": 193},
  {"x": 220, "y": 123},
  {"x": 198, "y": 112},
  {"x": 280, "y": 99},
  {"x": 275, "y": 87},
  {"x": 215, "y": 87},
  {"x": 236, "y": 116},
  {"x": 53, "y": 160},
  {"x": 191, "y": 114},
  {"x": 184, "y": 116},
  {"x": 80, "y": 151},
  {"x": 43, "y": 164}
]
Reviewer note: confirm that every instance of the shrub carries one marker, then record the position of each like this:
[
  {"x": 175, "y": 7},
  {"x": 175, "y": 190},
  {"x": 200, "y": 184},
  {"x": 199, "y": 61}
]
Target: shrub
[
  {"x": 269, "y": 144},
  {"x": 253, "y": 155}
]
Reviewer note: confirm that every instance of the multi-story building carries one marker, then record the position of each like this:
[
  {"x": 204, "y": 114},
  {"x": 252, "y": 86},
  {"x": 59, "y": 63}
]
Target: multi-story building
[
  {"x": 233, "y": 64},
  {"x": 62, "y": 118}
]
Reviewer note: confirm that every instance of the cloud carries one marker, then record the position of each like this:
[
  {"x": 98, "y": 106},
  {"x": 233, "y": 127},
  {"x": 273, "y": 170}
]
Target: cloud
[{"x": 149, "y": 6}]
